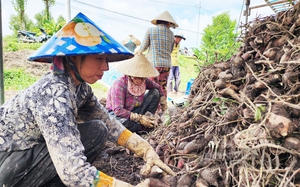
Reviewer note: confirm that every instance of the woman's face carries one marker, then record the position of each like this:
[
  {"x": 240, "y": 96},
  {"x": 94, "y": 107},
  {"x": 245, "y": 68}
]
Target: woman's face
[
  {"x": 92, "y": 67},
  {"x": 138, "y": 80}
]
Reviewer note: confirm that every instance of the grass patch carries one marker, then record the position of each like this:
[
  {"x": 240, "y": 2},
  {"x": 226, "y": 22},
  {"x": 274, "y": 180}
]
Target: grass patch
[
  {"x": 17, "y": 79},
  {"x": 188, "y": 69},
  {"x": 11, "y": 43},
  {"x": 99, "y": 87}
]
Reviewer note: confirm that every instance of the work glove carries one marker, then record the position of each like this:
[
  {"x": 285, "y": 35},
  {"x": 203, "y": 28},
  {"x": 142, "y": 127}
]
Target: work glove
[
  {"x": 144, "y": 150},
  {"x": 104, "y": 180},
  {"x": 163, "y": 103},
  {"x": 146, "y": 120}
]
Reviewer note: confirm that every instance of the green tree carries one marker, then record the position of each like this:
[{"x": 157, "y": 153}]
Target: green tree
[
  {"x": 53, "y": 26},
  {"x": 219, "y": 40},
  {"x": 48, "y": 4},
  {"x": 14, "y": 24},
  {"x": 19, "y": 6}
]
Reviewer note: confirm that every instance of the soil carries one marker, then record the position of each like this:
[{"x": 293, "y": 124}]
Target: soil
[{"x": 18, "y": 59}]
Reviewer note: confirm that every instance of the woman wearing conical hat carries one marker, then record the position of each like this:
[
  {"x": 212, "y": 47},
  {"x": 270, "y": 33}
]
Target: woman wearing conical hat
[
  {"x": 159, "y": 41},
  {"x": 51, "y": 132},
  {"x": 131, "y": 42},
  {"x": 127, "y": 98}
]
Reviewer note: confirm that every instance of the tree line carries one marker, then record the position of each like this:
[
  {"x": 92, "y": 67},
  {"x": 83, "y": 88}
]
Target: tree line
[{"x": 43, "y": 19}]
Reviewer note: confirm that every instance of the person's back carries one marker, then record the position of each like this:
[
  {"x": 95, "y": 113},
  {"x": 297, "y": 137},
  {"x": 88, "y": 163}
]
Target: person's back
[{"x": 159, "y": 41}]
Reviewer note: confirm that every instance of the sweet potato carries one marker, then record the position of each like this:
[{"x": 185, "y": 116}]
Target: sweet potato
[{"x": 157, "y": 183}]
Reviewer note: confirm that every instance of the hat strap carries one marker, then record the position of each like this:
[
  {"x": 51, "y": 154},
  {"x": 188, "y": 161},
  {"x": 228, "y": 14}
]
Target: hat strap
[{"x": 74, "y": 69}]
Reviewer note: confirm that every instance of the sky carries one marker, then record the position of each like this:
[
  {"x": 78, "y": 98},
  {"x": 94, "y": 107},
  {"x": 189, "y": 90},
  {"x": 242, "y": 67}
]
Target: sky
[{"x": 119, "y": 18}]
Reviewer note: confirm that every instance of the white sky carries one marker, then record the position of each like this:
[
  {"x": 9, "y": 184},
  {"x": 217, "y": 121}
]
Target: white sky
[{"x": 119, "y": 18}]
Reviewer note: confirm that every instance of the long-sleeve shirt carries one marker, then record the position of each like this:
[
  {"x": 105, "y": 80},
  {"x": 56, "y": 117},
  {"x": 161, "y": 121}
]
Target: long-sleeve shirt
[
  {"x": 159, "y": 41},
  {"x": 174, "y": 55},
  {"x": 121, "y": 102},
  {"x": 51, "y": 108}
]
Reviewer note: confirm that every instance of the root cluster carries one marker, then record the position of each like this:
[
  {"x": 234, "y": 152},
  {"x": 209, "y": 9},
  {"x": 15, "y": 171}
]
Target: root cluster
[{"x": 241, "y": 127}]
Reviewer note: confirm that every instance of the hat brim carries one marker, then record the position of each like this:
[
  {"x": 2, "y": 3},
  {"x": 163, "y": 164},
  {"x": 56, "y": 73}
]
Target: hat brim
[
  {"x": 138, "y": 66},
  {"x": 180, "y": 37}
]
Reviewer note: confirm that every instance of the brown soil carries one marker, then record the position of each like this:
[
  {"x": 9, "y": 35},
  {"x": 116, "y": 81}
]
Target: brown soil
[{"x": 18, "y": 59}]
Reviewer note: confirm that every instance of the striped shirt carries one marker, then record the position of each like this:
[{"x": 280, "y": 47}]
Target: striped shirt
[
  {"x": 159, "y": 41},
  {"x": 121, "y": 102}
]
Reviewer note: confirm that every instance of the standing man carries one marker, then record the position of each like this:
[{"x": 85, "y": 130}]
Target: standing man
[
  {"x": 175, "y": 72},
  {"x": 159, "y": 41}
]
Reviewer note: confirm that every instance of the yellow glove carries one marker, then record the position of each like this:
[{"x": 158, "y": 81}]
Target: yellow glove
[
  {"x": 104, "y": 180},
  {"x": 163, "y": 103},
  {"x": 135, "y": 117},
  {"x": 143, "y": 149},
  {"x": 146, "y": 120}
]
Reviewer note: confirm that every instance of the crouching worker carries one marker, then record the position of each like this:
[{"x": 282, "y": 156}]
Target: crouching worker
[
  {"x": 127, "y": 98},
  {"x": 51, "y": 132}
]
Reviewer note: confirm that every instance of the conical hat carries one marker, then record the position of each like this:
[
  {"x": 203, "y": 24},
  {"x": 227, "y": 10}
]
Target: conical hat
[
  {"x": 131, "y": 38},
  {"x": 138, "y": 66},
  {"x": 180, "y": 35},
  {"x": 165, "y": 16},
  {"x": 80, "y": 36}
]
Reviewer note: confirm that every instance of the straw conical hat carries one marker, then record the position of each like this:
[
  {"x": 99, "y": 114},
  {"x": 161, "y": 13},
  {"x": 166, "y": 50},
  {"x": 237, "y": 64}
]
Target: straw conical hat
[
  {"x": 165, "y": 16},
  {"x": 81, "y": 36},
  {"x": 133, "y": 39},
  {"x": 138, "y": 66}
]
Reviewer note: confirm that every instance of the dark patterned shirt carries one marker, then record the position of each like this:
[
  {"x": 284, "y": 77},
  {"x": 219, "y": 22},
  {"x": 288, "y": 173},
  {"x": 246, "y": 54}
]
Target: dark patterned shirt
[{"x": 51, "y": 108}]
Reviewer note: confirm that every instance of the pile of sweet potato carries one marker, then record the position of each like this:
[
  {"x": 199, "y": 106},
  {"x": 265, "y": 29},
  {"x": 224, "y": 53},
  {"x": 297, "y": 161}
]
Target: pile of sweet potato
[{"x": 241, "y": 127}]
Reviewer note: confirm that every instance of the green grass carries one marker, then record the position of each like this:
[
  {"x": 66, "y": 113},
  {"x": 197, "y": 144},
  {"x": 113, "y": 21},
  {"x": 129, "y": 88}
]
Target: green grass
[
  {"x": 98, "y": 86},
  {"x": 188, "y": 69},
  {"x": 17, "y": 79},
  {"x": 11, "y": 44}
]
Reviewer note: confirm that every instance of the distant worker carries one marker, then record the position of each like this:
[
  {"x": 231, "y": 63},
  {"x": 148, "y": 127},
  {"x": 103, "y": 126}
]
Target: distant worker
[
  {"x": 127, "y": 98},
  {"x": 159, "y": 41},
  {"x": 175, "y": 72},
  {"x": 131, "y": 42}
]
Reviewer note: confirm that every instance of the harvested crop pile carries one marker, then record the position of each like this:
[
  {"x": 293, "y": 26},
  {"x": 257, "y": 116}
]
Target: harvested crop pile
[{"x": 241, "y": 127}]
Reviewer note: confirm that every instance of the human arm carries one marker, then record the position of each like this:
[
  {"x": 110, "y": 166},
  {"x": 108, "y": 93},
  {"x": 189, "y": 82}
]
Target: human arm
[
  {"x": 143, "y": 149},
  {"x": 118, "y": 100},
  {"x": 163, "y": 101},
  {"x": 146, "y": 42},
  {"x": 55, "y": 115}
]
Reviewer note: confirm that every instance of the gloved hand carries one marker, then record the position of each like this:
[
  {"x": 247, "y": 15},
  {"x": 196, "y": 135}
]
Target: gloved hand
[
  {"x": 143, "y": 149},
  {"x": 135, "y": 117},
  {"x": 104, "y": 180},
  {"x": 147, "y": 121},
  {"x": 163, "y": 103}
]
